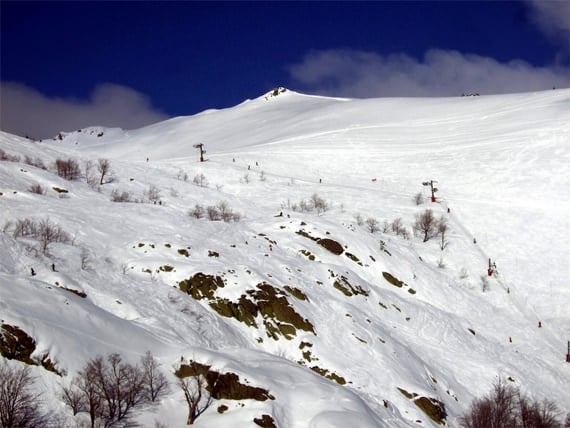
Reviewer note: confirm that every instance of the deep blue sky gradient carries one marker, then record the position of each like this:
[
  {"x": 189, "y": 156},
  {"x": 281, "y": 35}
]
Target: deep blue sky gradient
[{"x": 191, "y": 56}]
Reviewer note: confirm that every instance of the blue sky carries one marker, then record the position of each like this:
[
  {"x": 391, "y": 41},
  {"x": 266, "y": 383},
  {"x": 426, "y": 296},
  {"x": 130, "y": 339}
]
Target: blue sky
[{"x": 66, "y": 65}]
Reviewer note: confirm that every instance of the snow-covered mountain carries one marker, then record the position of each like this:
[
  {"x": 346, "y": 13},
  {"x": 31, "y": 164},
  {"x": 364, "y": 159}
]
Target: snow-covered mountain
[{"x": 343, "y": 326}]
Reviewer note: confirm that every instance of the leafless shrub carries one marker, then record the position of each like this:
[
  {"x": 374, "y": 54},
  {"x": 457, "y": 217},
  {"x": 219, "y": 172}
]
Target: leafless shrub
[
  {"x": 37, "y": 189},
  {"x": 225, "y": 211},
  {"x": 200, "y": 180},
  {"x": 182, "y": 175},
  {"x": 117, "y": 196},
  {"x": 90, "y": 177},
  {"x": 85, "y": 258},
  {"x": 484, "y": 283},
  {"x": 418, "y": 198},
  {"x": 372, "y": 225},
  {"x": 198, "y": 211},
  {"x": 359, "y": 219},
  {"x": 507, "y": 407},
  {"x": 45, "y": 232},
  {"x": 305, "y": 205},
  {"x": 213, "y": 213},
  {"x": 24, "y": 228},
  {"x": 262, "y": 176},
  {"x": 319, "y": 204},
  {"x": 245, "y": 178},
  {"x": 19, "y": 405},
  {"x": 67, "y": 169},
  {"x": 7, "y": 226},
  {"x": 7, "y": 157},
  {"x": 398, "y": 227},
  {"x": 385, "y": 226},
  {"x": 425, "y": 223},
  {"x": 48, "y": 232},
  {"x": 441, "y": 229},
  {"x": 152, "y": 194},
  {"x": 37, "y": 162},
  {"x": 104, "y": 168}
]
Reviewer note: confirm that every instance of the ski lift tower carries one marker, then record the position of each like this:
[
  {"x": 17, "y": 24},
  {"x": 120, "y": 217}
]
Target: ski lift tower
[
  {"x": 202, "y": 150},
  {"x": 433, "y": 189}
]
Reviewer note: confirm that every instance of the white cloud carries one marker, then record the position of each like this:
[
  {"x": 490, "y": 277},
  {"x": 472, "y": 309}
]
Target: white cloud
[
  {"x": 25, "y": 111},
  {"x": 361, "y": 74},
  {"x": 552, "y": 17}
]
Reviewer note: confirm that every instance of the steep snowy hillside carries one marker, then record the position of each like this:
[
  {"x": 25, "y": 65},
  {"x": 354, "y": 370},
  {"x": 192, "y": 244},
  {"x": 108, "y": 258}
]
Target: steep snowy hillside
[{"x": 315, "y": 288}]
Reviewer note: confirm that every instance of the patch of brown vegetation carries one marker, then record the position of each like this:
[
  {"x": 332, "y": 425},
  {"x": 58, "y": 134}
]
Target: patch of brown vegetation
[
  {"x": 331, "y": 245},
  {"x": 265, "y": 421},
  {"x": 223, "y": 385},
  {"x": 201, "y": 286}
]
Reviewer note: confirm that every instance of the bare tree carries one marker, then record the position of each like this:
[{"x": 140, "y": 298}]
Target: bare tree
[
  {"x": 68, "y": 169},
  {"x": 196, "y": 395},
  {"x": 48, "y": 232},
  {"x": 104, "y": 168},
  {"x": 372, "y": 225},
  {"x": 153, "y": 194},
  {"x": 425, "y": 223},
  {"x": 74, "y": 398},
  {"x": 507, "y": 407},
  {"x": 19, "y": 405},
  {"x": 85, "y": 381},
  {"x": 418, "y": 198},
  {"x": 398, "y": 227},
  {"x": 441, "y": 229},
  {"x": 154, "y": 381},
  {"x": 111, "y": 388},
  {"x": 90, "y": 177}
]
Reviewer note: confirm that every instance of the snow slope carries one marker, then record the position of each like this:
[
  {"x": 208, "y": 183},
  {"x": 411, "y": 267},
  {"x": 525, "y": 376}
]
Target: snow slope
[{"x": 502, "y": 169}]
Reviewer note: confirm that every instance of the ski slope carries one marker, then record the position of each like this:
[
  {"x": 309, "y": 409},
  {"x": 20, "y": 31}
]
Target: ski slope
[{"x": 502, "y": 170}]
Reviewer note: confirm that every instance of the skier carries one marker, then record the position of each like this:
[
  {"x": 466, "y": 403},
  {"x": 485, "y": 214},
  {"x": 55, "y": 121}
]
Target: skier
[
  {"x": 33, "y": 271},
  {"x": 53, "y": 267}
]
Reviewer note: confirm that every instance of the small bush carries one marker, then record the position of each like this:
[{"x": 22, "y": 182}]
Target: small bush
[
  {"x": 37, "y": 189},
  {"x": 198, "y": 211},
  {"x": 37, "y": 162},
  {"x": 418, "y": 198},
  {"x": 7, "y": 157},
  {"x": 117, "y": 196},
  {"x": 153, "y": 194},
  {"x": 200, "y": 180}
]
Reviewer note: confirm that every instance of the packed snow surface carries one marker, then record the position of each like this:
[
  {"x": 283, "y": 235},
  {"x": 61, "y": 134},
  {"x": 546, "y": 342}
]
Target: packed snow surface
[{"x": 501, "y": 165}]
